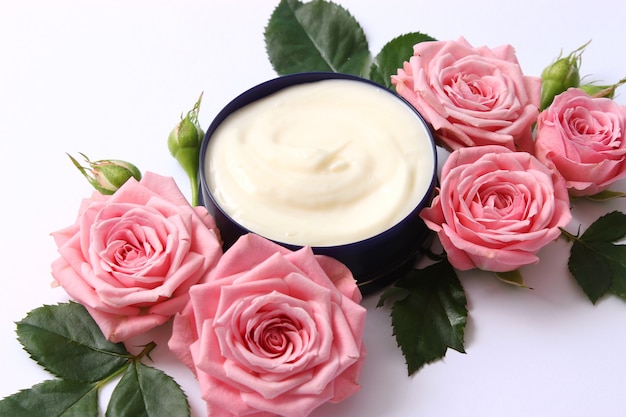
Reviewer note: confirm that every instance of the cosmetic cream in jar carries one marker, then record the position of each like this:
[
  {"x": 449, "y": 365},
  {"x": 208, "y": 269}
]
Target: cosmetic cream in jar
[{"x": 325, "y": 160}]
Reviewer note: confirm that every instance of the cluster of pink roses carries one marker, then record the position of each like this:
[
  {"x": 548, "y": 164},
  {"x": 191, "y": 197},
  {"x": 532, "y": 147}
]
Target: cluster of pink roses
[
  {"x": 505, "y": 188},
  {"x": 266, "y": 331}
]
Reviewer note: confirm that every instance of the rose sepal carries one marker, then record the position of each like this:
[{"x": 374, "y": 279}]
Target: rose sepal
[{"x": 512, "y": 277}]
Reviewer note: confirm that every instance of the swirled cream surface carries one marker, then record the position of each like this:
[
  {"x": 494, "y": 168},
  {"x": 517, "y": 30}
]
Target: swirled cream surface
[{"x": 321, "y": 163}]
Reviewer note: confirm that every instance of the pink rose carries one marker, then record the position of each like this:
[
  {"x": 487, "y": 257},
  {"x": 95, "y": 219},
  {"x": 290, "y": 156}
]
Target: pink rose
[
  {"x": 471, "y": 96},
  {"x": 131, "y": 258},
  {"x": 273, "y": 332},
  {"x": 584, "y": 140},
  {"x": 496, "y": 208}
]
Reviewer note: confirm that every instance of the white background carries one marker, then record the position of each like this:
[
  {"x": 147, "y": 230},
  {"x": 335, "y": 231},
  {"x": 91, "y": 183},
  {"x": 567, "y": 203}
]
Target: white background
[{"x": 111, "y": 78}]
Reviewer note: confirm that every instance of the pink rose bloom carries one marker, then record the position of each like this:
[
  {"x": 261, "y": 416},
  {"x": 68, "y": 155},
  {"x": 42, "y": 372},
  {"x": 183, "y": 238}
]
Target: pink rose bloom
[
  {"x": 496, "y": 208},
  {"x": 584, "y": 140},
  {"x": 131, "y": 257},
  {"x": 273, "y": 332},
  {"x": 471, "y": 96}
]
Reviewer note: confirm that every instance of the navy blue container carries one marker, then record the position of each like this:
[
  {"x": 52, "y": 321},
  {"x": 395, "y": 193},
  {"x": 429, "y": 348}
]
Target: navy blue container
[{"x": 375, "y": 262}]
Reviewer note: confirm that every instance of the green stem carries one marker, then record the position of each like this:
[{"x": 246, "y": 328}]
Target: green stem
[
  {"x": 109, "y": 378},
  {"x": 568, "y": 236},
  {"x": 193, "y": 180},
  {"x": 144, "y": 353}
]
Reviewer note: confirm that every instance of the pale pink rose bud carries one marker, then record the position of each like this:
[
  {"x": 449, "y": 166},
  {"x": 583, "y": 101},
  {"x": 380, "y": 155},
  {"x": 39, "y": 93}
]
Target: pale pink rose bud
[
  {"x": 107, "y": 175},
  {"x": 597, "y": 90}
]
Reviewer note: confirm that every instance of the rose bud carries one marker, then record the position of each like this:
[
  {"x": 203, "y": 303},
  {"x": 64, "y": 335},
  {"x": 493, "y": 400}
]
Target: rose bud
[
  {"x": 184, "y": 144},
  {"x": 597, "y": 91},
  {"x": 560, "y": 75},
  {"x": 107, "y": 175}
]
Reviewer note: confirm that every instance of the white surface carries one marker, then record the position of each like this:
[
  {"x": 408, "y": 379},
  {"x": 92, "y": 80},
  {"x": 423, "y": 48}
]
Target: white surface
[{"x": 110, "y": 79}]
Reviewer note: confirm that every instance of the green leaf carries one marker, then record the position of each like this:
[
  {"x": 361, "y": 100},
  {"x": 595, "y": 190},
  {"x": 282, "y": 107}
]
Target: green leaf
[
  {"x": 618, "y": 285},
  {"x": 54, "y": 398},
  {"x": 608, "y": 228},
  {"x": 431, "y": 316},
  {"x": 315, "y": 36},
  {"x": 597, "y": 264},
  {"x": 66, "y": 341},
  {"x": 392, "y": 293},
  {"x": 393, "y": 55},
  {"x": 144, "y": 391},
  {"x": 590, "y": 269},
  {"x": 606, "y": 195}
]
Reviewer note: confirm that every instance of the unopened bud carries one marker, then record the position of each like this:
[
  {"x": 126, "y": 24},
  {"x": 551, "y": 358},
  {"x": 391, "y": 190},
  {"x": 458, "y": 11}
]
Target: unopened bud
[
  {"x": 184, "y": 144},
  {"x": 595, "y": 90},
  {"x": 107, "y": 175},
  {"x": 562, "y": 74}
]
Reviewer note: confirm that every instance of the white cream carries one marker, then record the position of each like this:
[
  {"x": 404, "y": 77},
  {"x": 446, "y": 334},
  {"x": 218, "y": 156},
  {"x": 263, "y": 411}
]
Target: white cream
[{"x": 323, "y": 163}]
